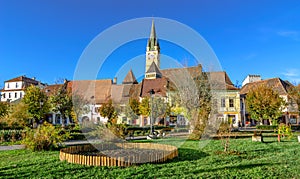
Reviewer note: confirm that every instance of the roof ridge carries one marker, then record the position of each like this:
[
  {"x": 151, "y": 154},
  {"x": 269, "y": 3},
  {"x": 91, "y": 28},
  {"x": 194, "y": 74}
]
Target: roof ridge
[
  {"x": 129, "y": 78},
  {"x": 153, "y": 68}
]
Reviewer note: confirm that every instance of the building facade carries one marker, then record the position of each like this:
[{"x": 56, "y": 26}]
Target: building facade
[
  {"x": 290, "y": 113},
  {"x": 14, "y": 89}
]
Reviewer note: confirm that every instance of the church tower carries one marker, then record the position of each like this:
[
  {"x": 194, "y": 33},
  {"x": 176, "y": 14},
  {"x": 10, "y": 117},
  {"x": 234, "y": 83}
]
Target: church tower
[{"x": 152, "y": 51}]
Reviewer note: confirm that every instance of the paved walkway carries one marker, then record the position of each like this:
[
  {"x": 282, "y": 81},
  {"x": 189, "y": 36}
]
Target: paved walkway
[{"x": 11, "y": 147}]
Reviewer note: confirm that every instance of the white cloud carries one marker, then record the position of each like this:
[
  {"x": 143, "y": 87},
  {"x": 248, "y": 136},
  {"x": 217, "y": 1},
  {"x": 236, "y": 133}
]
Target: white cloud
[
  {"x": 294, "y": 35},
  {"x": 292, "y": 75}
]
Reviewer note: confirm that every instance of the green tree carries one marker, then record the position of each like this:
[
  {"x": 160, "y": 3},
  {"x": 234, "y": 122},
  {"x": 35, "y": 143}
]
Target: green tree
[
  {"x": 159, "y": 107},
  {"x": 144, "y": 107},
  {"x": 294, "y": 98},
  {"x": 132, "y": 110},
  {"x": 263, "y": 103},
  {"x": 80, "y": 106},
  {"x": 108, "y": 111},
  {"x": 61, "y": 101},
  {"x": 195, "y": 98},
  {"x": 4, "y": 109},
  {"x": 134, "y": 105},
  {"x": 37, "y": 103},
  {"x": 18, "y": 117}
]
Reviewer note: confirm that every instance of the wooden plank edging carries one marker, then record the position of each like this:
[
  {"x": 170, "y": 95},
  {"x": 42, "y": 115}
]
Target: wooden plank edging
[{"x": 71, "y": 155}]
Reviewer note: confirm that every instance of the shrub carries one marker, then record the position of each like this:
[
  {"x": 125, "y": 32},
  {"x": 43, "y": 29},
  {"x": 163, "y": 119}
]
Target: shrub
[
  {"x": 45, "y": 137},
  {"x": 77, "y": 136},
  {"x": 11, "y": 135},
  {"x": 267, "y": 127},
  {"x": 285, "y": 131}
]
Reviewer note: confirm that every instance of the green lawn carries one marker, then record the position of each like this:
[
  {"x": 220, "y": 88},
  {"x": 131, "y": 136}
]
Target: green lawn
[{"x": 251, "y": 160}]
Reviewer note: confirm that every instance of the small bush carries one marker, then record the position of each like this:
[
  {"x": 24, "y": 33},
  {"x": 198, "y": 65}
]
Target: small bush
[
  {"x": 77, "y": 136},
  {"x": 267, "y": 127},
  {"x": 285, "y": 131},
  {"x": 45, "y": 137},
  {"x": 11, "y": 135}
]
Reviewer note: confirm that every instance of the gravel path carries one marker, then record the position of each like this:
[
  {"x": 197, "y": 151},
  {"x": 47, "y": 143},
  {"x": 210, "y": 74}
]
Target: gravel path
[{"x": 11, "y": 147}]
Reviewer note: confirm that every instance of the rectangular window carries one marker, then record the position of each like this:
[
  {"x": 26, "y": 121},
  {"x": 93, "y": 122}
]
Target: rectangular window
[
  {"x": 7, "y": 85},
  {"x": 17, "y": 85},
  {"x": 16, "y": 95},
  {"x": 3, "y": 95},
  {"x": 223, "y": 105},
  {"x": 231, "y": 102},
  {"x": 9, "y": 95},
  {"x": 21, "y": 94}
]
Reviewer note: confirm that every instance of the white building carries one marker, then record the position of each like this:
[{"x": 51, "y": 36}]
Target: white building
[
  {"x": 251, "y": 78},
  {"x": 14, "y": 89}
]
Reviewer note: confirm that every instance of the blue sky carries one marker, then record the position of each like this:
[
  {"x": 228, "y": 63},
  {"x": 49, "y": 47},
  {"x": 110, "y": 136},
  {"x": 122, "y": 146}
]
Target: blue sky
[{"x": 45, "y": 39}]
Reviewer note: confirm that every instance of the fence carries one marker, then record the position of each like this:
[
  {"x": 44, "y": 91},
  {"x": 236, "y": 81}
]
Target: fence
[{"x": 85, "y": 154}]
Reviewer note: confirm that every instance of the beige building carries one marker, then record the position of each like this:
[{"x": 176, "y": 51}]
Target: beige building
[{"x": 289, "y": 113}]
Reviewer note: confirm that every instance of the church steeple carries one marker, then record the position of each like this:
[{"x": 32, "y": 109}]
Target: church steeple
[
  {"x": 152, "y": 41},
  {"x": 152, "y": 50}
]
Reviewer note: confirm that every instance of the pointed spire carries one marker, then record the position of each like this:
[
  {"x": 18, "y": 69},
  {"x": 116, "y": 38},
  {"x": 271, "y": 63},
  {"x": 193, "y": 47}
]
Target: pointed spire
[
  {"x": 152, "y": 41},
  {"x": 130, "y": 78},
  {"x": 153, "y": 33}
]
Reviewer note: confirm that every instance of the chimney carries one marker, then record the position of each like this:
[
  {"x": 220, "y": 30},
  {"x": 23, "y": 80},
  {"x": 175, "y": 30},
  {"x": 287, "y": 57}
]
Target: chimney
[{"x": 115, "y": 80}]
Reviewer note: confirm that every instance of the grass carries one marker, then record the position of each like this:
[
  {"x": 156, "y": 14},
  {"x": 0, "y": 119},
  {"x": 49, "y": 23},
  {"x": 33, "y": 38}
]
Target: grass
[{"x": 196, "y": 160}]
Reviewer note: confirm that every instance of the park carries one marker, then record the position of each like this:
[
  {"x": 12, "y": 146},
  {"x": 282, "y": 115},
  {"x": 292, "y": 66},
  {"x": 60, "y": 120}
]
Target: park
[{"x": 246, "y": 159}]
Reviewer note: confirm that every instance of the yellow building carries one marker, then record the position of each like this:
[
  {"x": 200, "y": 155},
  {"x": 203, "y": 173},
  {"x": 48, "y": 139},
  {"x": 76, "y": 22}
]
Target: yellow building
[{"x": 226, "y": 98}]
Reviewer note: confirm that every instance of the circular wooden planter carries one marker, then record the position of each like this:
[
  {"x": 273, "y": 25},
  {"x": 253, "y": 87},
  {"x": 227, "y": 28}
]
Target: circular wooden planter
[{"x": 118, "y": 154}]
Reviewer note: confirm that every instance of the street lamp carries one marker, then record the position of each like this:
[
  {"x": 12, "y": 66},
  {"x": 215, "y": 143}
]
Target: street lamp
[
  {"x": 92, "y": 108},
  {"x": 151, "y": 92}
]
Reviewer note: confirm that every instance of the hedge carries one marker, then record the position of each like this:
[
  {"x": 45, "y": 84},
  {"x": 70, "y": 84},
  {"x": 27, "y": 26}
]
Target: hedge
[
  {"x": 11, "y": 135},
  {"x": 267, "y": 127},
  {"x": 275, "y": 127}
]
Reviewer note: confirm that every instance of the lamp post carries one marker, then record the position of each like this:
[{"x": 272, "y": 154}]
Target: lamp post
[
  {"x": 151, "y": 92},
  {"x": 92, "y": 108}
]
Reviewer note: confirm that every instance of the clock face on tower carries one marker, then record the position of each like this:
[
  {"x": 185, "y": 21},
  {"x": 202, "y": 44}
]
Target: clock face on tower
[{"x": 151, "y": 57}]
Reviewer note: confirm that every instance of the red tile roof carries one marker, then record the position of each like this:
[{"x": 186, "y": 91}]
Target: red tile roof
[
  {"x": 278, "y": 85},
  {"x": 159, "y": 85},
  {"x": 24, "y": 79},
  {"x": 220, "y": 81},
  {"x": 52, "y": 89},
  {"x": 95, "y": 91}
]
